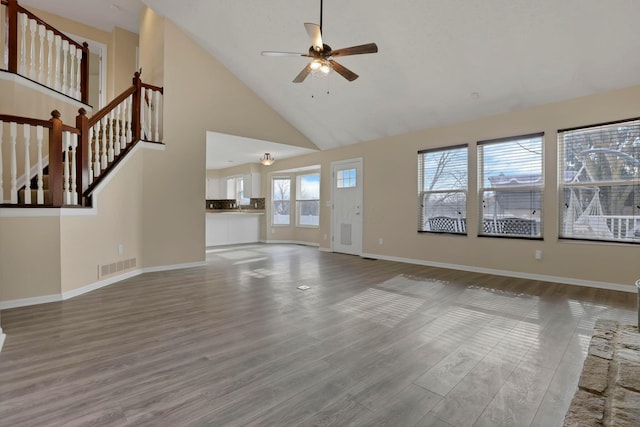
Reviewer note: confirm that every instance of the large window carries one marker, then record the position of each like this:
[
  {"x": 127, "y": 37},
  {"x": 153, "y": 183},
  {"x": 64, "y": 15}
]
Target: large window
[
  {"x": 281, "y": 195},
  {"x": 510, "y": 177},
  {"x": 308, "y": 200},
  {"x": 600, "y": 182},
  {"x": 442, "y": 190}
]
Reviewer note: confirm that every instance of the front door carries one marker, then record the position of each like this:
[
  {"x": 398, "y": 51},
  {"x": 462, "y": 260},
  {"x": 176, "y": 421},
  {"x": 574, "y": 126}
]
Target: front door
[{"x": 346, "y": 217}]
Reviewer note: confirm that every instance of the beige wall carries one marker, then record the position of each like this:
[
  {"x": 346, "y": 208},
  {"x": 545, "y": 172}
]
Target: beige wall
[
  {"x": 122, "y": 59},
  {"x": 29, "y": 257},
  {"x": 200, "y": 95},
  {"x": 390, "y": 192}
]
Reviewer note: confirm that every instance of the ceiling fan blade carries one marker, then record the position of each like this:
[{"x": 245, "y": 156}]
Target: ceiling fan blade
[
  {"x": 316, "y": 36},
  {"x": 343, "y": 71},
  {"x": 272, "y": 53},
  {"x": 303, "y": 74},
  {"x": 355, "y": 50}
]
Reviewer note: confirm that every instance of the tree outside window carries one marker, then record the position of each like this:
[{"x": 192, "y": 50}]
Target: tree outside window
[{"x": 281, "y": 192}]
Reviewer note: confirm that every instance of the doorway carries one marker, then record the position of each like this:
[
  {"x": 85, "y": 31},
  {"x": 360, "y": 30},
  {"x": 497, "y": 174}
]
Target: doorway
[{"x": 346, "y": 199}]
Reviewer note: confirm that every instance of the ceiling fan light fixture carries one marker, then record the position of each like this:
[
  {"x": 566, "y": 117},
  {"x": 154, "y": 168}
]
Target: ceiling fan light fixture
[
  {"x": 325, "y": 68},
  {"x": 267, "y": 159},
  {"x": 315, "y": 64}
]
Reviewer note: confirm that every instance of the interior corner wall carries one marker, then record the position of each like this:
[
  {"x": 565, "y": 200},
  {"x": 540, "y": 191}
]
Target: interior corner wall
[{"x": 200, "y": 94}]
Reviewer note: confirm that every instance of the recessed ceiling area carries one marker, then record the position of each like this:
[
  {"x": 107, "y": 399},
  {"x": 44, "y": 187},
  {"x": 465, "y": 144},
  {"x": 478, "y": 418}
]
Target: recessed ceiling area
[{"x": 225, "y": 151}]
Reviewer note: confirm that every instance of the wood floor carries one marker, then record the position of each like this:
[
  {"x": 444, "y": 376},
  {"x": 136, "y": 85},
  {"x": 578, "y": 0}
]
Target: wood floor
[{"x": 235, "y": 343}]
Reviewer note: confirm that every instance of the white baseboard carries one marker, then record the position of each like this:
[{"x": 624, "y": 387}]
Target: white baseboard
[
  {"x": 292, "y": 242},
  {"x": 23, "y": 302},
  {"x": 508, "y": 273},
  {"x": 322, "y": 249},
  {"x": 173, "y": 267},
  {"x": 2, "y": 337}
]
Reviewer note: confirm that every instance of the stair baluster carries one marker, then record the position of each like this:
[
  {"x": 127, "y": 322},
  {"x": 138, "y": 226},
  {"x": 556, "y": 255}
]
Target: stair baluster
[
  {"x": 66, "y": 189},
  {"x": 157, "y": 113},
  {"x": 96, "y": 149},
  {"x": 65, "y": 54},
  {"x": 91, "y": 172},
  {"x": 129, "y": 103},
  {"x": 73, "y": 144},
  {"x": 13, "y": 193},
  {"x": 109, "y": 135},
  {"x": 116, "y": 131},
  {"x": 71, "y": 90},
  {"x": 26, "y": 133},
  {"x": 22, "y": 18},
  {"x": 56, "y": 74},
  {"x": 40, "y": 192},
  {"x": 33, "y": 26},
  {"x": 123, "y": 124},
  {"x": 103, "y": 158},
  {"x": 42, "y": 31},
  {"x": 78, "y": 84},
  {"x": 49, "y": 55}
]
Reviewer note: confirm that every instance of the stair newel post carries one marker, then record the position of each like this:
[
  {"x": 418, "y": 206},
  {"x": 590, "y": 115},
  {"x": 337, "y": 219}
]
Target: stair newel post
[
  {"x": 84, "y": 73},
  {"x": 83, "y": 153},
  {"x": 55, "y": 159},
  {"x": 136, "y": 113},
  {"x": 12, "y": 36}
]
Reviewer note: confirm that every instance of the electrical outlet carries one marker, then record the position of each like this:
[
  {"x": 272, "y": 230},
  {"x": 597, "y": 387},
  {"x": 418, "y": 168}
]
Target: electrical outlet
[
  {"x": 538, "y": 254},
  {"x": 380, "y": 241},
  {"x": 120, "y": 248}
]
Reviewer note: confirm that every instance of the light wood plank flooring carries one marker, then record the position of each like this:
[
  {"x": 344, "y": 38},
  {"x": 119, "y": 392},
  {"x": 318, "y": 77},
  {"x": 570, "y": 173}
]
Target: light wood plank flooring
[{"x": 235, "y": 343}]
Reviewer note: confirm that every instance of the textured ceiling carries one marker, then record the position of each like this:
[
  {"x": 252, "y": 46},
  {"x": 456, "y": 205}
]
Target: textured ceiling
[{"x": 439, "y": 61}]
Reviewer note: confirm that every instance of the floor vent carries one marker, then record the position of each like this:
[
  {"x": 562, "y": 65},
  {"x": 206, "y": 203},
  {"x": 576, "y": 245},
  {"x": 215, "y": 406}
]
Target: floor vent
[{"x": 115, "y": 267}]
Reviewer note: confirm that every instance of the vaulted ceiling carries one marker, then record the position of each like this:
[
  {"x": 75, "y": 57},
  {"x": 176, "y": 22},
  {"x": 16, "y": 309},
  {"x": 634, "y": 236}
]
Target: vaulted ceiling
[{"x": 439, "y": 61}]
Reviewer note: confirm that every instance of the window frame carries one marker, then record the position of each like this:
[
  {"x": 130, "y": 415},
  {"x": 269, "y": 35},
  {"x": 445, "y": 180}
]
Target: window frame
[
  {"x": 624, "y": 232},
  {"x": 500, "y": 226},
  {"x": 273, "y": 200},
  {"x": 299, "y": 200},
  {"x": 451, "y": 225}
]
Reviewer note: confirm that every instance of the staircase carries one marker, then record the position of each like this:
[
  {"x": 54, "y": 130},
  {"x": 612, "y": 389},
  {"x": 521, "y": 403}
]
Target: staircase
[{"x": 79, "y": 157}]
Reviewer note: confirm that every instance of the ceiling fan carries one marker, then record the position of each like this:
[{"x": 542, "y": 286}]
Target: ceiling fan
[{"x": 323, "y": 55}]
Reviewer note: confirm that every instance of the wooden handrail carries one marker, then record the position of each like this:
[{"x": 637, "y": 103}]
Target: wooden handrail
[
  {"x": 49, "y": 27},
  {"x": 152, "y": 87},
  {"x": 110, "y": 106},
  {"x": 26, "y": 121}
]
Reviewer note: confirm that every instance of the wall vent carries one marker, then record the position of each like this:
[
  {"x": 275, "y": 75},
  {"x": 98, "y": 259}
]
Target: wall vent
[{"x": 115, "y": 267}]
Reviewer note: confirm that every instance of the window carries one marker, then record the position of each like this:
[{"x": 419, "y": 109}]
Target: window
[
  {"x": 235, "y": 189},
  {"x": 442, "y": 190},
  {"x": 281, "y": 195},
  {"x": 308, "y": 200},
  {"x": 600, "y": 185},
  {"x": 511, "y": 185},
  {"x": 346, "y": 178}
]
